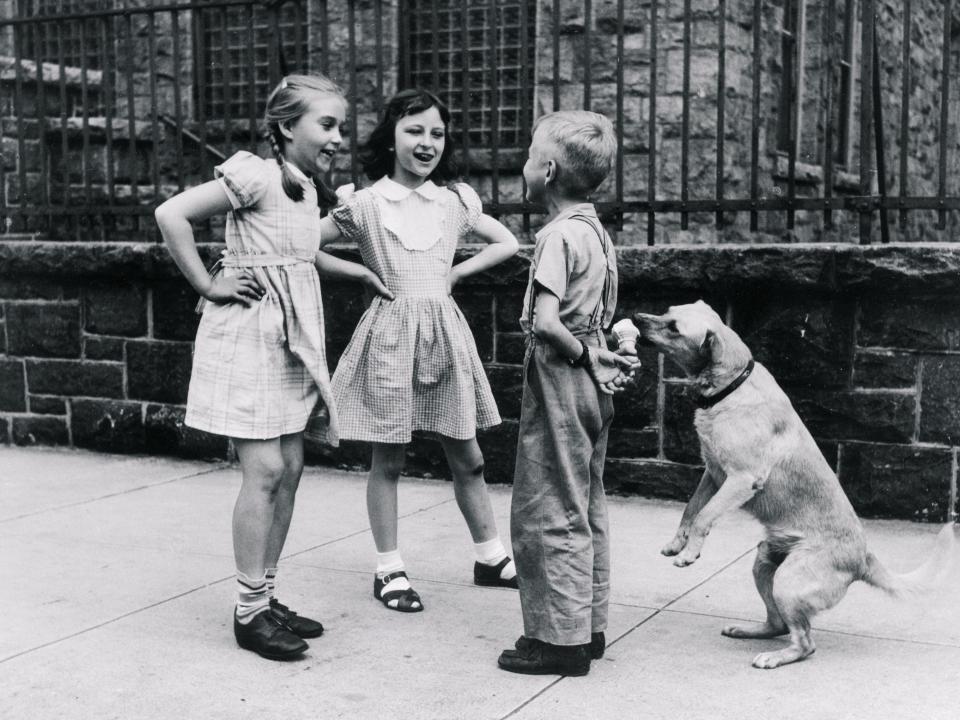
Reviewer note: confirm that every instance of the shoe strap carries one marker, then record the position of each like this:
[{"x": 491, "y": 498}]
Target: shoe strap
[{"x": 389, "y": 577}]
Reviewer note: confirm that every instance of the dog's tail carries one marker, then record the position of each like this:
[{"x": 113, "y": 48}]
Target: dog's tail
[{"x": 924, "y": 579}]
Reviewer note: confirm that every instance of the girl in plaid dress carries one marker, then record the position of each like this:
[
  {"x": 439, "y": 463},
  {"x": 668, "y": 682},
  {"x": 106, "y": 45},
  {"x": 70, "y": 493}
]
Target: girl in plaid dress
[
  {"x": 259, "y": 366},
  {"x": 412, "y": 364}
]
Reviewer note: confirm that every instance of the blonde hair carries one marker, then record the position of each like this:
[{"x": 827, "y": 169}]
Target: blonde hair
[
  {"x": 289, "y": 100},
  {"x": 585, "y": 147}
]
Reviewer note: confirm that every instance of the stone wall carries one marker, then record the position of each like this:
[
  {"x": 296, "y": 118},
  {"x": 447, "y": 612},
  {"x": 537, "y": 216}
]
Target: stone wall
[{"x": 95, "y": 348}]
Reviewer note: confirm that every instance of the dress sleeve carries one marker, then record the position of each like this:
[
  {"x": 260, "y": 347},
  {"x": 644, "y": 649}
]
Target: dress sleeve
[
  {"x": 553, "y": 264},
  {"x": 348, "y": 217},
  {"x": 242, "y": 176},
  {"x": 469, "y": 210}
]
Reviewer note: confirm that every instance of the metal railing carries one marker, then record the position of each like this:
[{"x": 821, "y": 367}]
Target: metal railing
[{"x": 94, "y": 145}]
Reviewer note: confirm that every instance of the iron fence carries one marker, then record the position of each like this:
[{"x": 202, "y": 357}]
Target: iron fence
[{"x": 110, "y": 110}]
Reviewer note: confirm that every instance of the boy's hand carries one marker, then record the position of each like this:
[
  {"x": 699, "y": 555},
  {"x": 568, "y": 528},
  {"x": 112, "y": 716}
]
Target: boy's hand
[
  {"x": 242, "y": 288},
  {"x": 609, "y": 370},
  {"x": 375, "y": 285}
]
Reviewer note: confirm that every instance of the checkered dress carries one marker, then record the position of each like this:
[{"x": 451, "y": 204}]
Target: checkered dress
[
  {"x": 412, "y": 364},
  {"x": 261, "y": 372}
]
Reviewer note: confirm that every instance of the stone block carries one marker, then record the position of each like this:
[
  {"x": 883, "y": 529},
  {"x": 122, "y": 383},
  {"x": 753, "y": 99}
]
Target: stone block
[
  {"x": 628, "y": 442},
  {"x": 884, "y": 369},
  {"x": 116, "y": 426},
  {"x": 40, "y": 430},
  {"x": 75, "y": 377},
  {"x": 477, "y": 306},
  {"x": 158, "y": 371},
  {"x": 940, "y": 401},
  {"x": 857, "y": 415},
  {"x": 680, "y": 441},
  {"x": 45, "y": 405},
  {"x": 12, "y": 387},
  {"x": 509, "y": 309},
  {"x": 898, "y": 481},
  {"x": 803, "y": 343},
  {"x": 499, "y": 447},
  {"x": 103, "y": 348},
  {"x": 902, "y": 323},
  {"x": 652, "y": 478},
  {"x": 43, "y": 329},
  {"x": 636, "y": 406},
  {"x": 511, "y": 348},
  {"x": 506, "y": 381},
  {"x": 174, "y": 311},
  {"x": 116, "y": 309}
]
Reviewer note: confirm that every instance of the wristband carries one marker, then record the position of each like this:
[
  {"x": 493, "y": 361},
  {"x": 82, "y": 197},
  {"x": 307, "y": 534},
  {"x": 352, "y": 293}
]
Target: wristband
[{"x": 582, "y": 360}]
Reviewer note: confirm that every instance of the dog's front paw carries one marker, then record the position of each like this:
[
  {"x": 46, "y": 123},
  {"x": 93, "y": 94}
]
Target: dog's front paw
[
  {"x": 674, "y": 546},
  {"x": 685, "y": 558}
]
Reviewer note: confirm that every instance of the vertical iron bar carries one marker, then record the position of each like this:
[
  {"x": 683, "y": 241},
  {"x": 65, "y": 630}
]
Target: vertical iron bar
[
  {"x": 352, "y": 41},
  {"x": 41, "y": 114},
  {"x": 131, "y": 110},
  {"x": 652, "y": 127},
  {"x": 494, "y": 110},
  {"x": 378, "y": 33},
  {"x": 274, "y": 47},
  {"x": 755, "y": 120},
  {"x": 405, "y": 73},
  {"x": 177, "y": 100},
  {"x": 685, "y": 120},
  {"x": 435, "y": 46},
  {"x": 905, "y": 109},
  {"x": 829, "y": 34},
  {"x": 587, "y": 52},
  {"x": 109, "y": 102},
  {"x": 251, "y": 77},
  {"x": 200, "y": 112},
  {"x": 64, "y": 143},
  {"x": 620, "y": 49},
  {"x": 556, "y": 55},
  {"x": 154, "y": 110},
  {"x": 325, "y": 38},
  {"x": 944, "y": 113},
  {"x": 299, "y": 33},
  {"x": 18, "y": 105},
  {"x": 227, "y": 78},
  {"x": 794, "y": 104},
  {"x": 465, "y": 86},
  {"x": 878, "y": 137},
  {"x": 84, "y": 101},
  {"x": 866, "y": 116},
  {"x": 525, "y": 114},
  {"x": 721, "y": 103}
]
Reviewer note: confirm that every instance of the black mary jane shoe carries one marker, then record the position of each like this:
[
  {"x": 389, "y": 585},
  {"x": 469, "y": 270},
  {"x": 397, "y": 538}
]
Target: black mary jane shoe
[
  {"x": 407, "y": 601},
  {"x": 489, "y": 575},
  {"x": 535, "y": 657},
  {"x": 302, "y": 627},
  {"x": 268, "y": 637}
]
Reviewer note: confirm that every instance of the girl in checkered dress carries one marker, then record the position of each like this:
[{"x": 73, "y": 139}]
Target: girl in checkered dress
[
  {"x": 259, "y": 366},
  {"x": 412, "y": 364}
]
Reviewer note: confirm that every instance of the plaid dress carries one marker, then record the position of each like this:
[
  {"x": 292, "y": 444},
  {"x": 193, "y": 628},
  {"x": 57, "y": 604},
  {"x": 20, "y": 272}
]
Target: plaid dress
[
  {"x": 412, "y": 364},
  {"x": 261, "y": 371}
]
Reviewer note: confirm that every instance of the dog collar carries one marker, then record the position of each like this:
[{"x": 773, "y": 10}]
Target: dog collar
[{"x": 704, "y": 402}]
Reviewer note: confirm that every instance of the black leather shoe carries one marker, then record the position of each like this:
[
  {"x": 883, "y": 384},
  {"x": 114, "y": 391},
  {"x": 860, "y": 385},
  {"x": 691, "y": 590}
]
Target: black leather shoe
[
  {"x": 535, "y": 657},
  {"x": 267, "y": 637},
  {"x": 300, "y": 626},
  {"x": 489, "y": 575},
  {"x": 598, "y": 644}
]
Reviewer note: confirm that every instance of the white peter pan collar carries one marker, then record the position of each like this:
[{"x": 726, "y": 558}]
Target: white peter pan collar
[{"x": 411, "y": 214}]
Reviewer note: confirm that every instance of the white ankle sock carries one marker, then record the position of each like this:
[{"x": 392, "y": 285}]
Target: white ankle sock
[
  {"x": 490, "y": 552},
  {"x": 252, "y": 597},
  {"x": 391, "y": 562}
]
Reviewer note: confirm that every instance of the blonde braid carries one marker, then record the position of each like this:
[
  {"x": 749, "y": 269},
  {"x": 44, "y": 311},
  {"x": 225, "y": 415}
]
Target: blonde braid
[{"x": 291, "y": 185}]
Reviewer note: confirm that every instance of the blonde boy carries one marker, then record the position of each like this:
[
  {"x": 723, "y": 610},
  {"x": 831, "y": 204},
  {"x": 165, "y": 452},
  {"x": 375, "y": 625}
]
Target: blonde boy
[{"x": 558, "y": 514}]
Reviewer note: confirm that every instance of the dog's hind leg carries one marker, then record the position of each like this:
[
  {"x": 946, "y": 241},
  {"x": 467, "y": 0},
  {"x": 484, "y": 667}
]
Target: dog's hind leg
[
  {"x": 705, "y": 490},
  {"x": 805, "y": 584},
  {"x": 764, "y": 567}
]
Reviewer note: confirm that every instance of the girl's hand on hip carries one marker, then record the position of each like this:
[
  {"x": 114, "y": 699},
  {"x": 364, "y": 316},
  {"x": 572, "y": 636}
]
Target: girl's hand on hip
[
  {"x": 242, "y": 288},
  {"x": 453, "y": 277},
  {"x": 375, "y": 285}
]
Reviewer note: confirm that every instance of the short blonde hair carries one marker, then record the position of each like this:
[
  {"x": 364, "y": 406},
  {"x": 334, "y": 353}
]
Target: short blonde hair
[{"x": 585, "y": 146}]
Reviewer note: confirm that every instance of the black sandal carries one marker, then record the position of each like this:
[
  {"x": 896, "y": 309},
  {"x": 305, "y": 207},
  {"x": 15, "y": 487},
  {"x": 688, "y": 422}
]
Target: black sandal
[
  {"x": 405, "y": 598},
  {"x": 489, "y": 575}
]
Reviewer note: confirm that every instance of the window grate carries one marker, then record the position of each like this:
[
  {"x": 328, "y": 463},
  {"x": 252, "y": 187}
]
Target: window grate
[{"x": 47, "y": 40}]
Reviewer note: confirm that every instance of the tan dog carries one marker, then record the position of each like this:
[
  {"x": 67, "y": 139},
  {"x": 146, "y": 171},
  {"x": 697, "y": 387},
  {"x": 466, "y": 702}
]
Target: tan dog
[{"x": 759, "y": 454}]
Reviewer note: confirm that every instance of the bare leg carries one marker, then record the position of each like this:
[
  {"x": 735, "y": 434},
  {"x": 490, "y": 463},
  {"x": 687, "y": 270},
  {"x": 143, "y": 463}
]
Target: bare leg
[
  {"x": 764, "y": 568},
  {"x": 705, "y": 490},
  {"x": 469, "y": 487},
  {"x": 291, "y": 448},
  {"x": 734, "y": 492},
  {"x": 805, "y": 584},
  {"x": 386, "y": 465},
  {"x": 261, "y": 462}
]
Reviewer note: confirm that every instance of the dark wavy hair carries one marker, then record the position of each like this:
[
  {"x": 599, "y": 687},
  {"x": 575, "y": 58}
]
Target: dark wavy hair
[{"x": 377, "y": 154}]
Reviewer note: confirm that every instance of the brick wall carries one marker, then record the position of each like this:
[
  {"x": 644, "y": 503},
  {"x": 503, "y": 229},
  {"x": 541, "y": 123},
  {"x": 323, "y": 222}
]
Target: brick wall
[{"x": 95, "y": 346}]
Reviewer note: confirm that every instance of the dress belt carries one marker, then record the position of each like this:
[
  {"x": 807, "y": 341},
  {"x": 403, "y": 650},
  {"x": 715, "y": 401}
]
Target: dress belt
[{"x": 231, "y": 259}]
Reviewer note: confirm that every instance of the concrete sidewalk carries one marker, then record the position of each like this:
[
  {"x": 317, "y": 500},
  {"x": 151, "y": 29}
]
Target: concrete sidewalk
[{"x": 118, "y": 591}]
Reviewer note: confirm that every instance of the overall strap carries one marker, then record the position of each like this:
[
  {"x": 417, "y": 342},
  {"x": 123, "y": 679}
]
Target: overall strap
[{"x": 596, "y": 318}]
